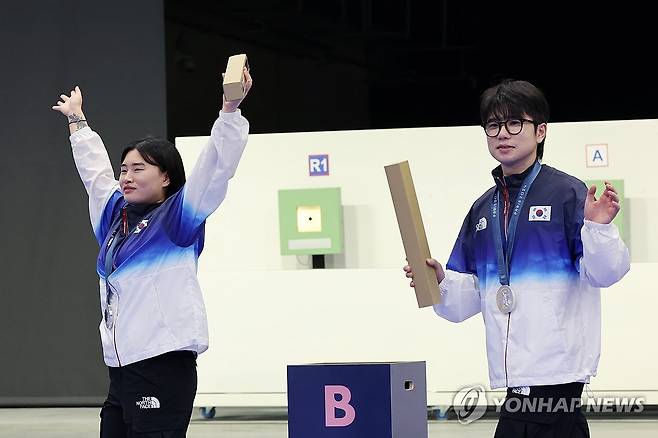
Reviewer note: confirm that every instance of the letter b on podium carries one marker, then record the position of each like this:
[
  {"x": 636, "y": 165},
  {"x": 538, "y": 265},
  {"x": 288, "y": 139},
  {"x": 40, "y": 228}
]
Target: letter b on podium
[
  {"x": 331, "y": 405},
  {"x": 357, "y": 400}
]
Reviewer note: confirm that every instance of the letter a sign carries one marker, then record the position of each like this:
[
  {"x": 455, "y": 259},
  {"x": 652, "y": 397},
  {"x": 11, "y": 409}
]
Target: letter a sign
[{"x": 597, "y": 155}]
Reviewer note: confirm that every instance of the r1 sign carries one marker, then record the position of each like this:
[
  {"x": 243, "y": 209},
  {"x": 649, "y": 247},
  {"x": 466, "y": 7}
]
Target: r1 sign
[{"x": 318, "y": 165}]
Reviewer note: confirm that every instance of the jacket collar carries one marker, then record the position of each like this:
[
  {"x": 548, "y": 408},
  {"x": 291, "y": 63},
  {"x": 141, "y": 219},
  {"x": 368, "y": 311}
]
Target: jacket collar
[
  {"x": 136, "y": 212},
  {"x": 510, "y": 181}
]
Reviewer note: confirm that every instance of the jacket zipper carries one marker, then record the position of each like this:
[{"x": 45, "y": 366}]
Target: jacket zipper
[
  {"x": 124, "y": 228},
  {"x": 114, "y": 325},
  {"x": 114, "y": 339}
]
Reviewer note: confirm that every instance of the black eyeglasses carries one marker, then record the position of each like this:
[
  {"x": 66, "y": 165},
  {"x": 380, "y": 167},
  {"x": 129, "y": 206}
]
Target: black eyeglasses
[{"x": 513, "y": 126}]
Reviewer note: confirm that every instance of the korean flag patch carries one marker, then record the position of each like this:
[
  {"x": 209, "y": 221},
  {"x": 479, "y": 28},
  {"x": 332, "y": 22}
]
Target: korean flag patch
[{"x": 540, "y": 213}]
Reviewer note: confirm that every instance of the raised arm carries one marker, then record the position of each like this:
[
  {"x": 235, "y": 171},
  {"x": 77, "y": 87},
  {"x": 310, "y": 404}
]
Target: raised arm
[
  {"x": 207, "y": 183},
  {"x": 91, "y": 160},
  {"x": 71, "y": 107},
  {"x": 605, "y": 256}
]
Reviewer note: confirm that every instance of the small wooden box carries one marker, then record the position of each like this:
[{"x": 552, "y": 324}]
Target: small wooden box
[{"x": 234, "y": 80}]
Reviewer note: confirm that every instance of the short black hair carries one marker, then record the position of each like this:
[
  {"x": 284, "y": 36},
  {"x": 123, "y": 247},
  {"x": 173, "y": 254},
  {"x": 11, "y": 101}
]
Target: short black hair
[
  {"x": 162, "y": 153},
  {"x": 513, "y": 98}
]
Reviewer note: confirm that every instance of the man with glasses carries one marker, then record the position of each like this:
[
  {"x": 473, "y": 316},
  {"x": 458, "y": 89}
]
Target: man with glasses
[{"x": 532, "y": 254}]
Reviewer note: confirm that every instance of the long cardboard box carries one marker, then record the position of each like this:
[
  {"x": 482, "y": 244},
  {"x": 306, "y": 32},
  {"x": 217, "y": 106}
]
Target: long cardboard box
[{"x": 413, "y": 234}]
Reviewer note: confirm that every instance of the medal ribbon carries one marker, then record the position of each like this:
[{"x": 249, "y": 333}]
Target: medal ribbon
[{"x": 504, "y": 257}]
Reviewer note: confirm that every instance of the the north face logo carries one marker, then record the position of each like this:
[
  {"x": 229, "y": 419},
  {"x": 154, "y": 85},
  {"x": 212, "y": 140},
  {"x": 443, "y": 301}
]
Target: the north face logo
[
  {"x": 148, "y": 403},
  {"x": 482, "y": 224}
]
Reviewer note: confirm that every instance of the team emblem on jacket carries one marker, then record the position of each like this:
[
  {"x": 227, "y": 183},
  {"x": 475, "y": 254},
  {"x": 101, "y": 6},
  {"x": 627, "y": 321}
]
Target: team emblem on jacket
[
  {"x": 540, "y": 213},
  {"x": 482, "y": 224},
  {"x": 140, "y": 226}
]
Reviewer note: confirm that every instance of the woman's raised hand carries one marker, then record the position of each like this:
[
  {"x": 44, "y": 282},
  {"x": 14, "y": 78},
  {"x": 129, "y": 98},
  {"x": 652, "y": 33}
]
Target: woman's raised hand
[
  {"x": 71, "y": 104},
  {"x": 230, "y": 106}
]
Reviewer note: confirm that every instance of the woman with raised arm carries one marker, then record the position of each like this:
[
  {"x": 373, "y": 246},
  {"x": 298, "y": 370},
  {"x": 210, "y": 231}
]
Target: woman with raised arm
[{"x": 150, "y": 227}]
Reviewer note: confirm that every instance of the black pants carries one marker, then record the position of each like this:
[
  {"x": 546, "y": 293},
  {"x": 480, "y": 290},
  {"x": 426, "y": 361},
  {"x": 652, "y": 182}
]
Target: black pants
[
  {"x": 551, "y": 411},
  {"x": 151, "y": 398}
]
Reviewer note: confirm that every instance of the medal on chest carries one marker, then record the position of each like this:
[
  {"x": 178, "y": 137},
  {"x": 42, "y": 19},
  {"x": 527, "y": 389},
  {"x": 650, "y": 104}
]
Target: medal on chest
[{"x": 505, "y": 299}]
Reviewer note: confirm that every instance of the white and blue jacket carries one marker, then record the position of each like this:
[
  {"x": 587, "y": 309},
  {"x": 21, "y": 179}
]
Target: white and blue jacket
[
  {"x": 159, "y": 303},
  {"x": 558, "y": 264}
]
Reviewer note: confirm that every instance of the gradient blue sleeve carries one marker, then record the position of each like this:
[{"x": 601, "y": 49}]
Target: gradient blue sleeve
[
  {"x": 106, "y": 218},
  {"x": 182, "y": 230},
  {"x": 462, "y": 258},
  {"x": 574, "y": 216},
  {"x": 207, "y": 183}
]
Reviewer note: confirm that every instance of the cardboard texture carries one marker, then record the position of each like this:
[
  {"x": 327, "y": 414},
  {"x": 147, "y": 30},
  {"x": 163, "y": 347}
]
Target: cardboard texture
[
  {"x": 412, "y": 230},
  {"x": 234, "y": 80}
]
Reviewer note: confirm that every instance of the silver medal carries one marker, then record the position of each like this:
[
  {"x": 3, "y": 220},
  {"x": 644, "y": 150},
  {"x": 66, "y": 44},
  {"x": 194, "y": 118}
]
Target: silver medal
[{"x": 505, "y": 299}]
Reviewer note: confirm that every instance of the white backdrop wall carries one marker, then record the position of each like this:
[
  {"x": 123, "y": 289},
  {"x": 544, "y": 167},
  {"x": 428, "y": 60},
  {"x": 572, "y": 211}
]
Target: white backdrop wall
[{"x": 267, "y": 311}]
